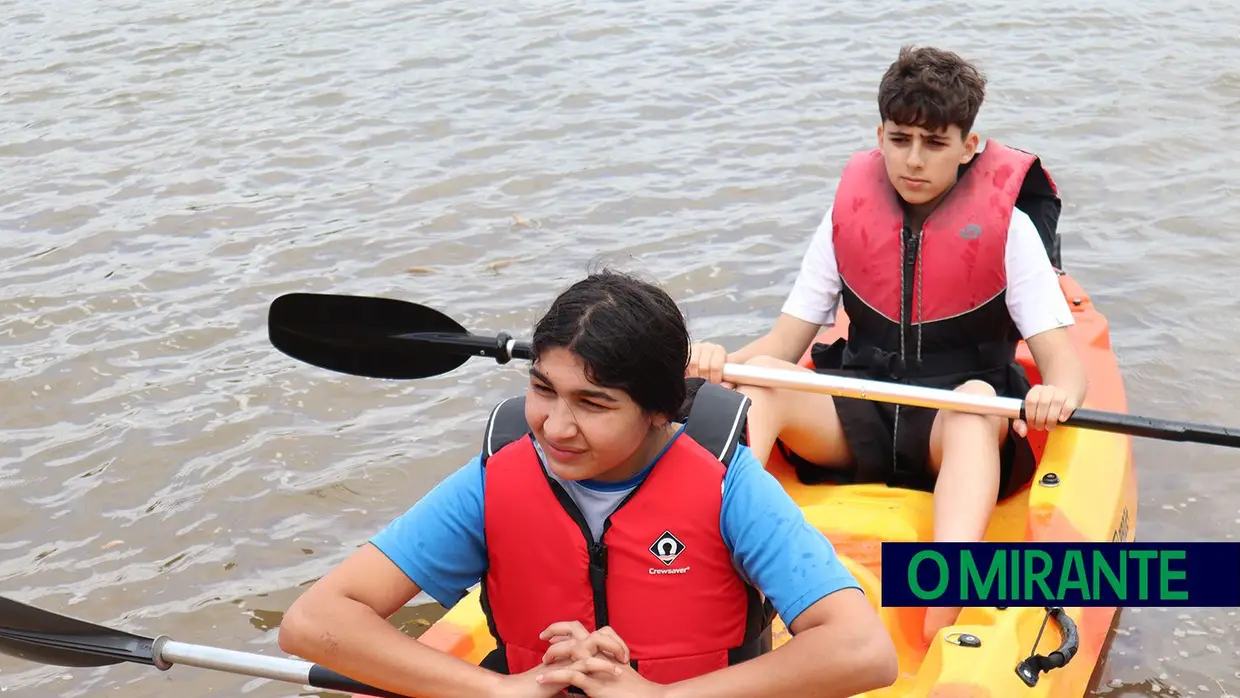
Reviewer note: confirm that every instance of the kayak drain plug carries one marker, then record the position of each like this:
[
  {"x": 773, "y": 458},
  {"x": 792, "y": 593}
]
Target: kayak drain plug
[{"x": 1050, "y": 480}]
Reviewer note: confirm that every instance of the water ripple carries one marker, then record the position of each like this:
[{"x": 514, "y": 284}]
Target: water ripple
[{"x": 172, "y": 166}]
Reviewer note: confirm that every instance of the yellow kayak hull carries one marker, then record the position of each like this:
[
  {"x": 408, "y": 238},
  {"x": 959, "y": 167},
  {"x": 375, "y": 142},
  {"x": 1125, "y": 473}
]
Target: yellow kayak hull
[{"x": 1094, "y": 498}]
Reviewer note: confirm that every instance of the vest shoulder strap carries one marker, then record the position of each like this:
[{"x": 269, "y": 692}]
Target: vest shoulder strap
[
  {"x": 716, "y": 421},
  {"x": 1039, "y": 199},
  {"x": 505, "y": 425}
]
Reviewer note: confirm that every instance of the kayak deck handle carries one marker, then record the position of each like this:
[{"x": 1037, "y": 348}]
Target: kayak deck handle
[{"x": 1033, "y": 665}]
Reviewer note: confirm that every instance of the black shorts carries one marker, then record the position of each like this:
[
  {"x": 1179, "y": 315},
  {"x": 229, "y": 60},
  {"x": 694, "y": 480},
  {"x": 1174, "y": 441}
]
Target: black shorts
[{"x": 898, "y": 454}]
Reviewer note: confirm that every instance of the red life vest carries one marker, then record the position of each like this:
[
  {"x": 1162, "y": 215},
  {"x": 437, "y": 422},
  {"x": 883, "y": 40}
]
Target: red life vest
[
  {"x": 931, "y": 308},
  {"x": 661, "y": 577}
]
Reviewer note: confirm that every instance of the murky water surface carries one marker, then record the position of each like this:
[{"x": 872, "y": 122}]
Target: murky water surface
[{"x": 170, "y": 167}]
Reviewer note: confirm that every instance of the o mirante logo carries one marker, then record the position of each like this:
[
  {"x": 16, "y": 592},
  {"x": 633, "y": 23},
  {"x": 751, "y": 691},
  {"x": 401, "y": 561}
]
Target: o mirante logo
[{"x": 1061, "y": 574}]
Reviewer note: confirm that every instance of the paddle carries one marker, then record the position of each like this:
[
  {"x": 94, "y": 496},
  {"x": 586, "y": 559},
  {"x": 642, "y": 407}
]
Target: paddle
[
  {"x": 388, "y": 338},
  {"x": 44, "y": 637}
]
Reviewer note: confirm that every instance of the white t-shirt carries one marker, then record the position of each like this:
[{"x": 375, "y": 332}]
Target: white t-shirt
[{"x": 1034, "y": 299}]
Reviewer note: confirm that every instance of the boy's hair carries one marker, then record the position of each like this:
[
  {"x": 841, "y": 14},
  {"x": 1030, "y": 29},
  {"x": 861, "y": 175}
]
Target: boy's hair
[{"x": 931, "y": 88}]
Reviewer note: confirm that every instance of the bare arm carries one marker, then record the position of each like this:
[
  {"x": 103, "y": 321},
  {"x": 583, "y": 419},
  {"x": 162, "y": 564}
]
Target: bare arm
[
  {"x": 839, "y": 648},
  {"x": 1059, "y": 363},
  {"x": 341, "y": 623}
]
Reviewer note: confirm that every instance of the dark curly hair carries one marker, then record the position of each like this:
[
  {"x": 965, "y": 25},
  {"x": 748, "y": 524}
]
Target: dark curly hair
[{"x": 932, "y": 89}]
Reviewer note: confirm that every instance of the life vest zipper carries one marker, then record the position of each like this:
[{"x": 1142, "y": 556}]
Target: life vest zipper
[
  {"x": 597, "y": 549},
  {"x": 597, "y": 553}
]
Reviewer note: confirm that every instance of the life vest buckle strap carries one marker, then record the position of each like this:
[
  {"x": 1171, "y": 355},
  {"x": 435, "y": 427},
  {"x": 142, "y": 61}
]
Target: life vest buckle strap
[
  {"x": 881, "y": 364},
  {"x": 888, "y": 365}
]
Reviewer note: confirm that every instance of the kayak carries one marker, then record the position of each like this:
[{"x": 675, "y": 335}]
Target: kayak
[{"x": 1084, "y": 490}]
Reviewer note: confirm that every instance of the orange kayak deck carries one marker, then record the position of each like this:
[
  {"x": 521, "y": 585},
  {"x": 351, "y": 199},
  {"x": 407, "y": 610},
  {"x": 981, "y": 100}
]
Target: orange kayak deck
[{"x": 1094, "y": 499}]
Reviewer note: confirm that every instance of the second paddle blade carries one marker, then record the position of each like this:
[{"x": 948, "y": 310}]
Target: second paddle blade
[
  {"x": 362, "y": 336},
  {"x": 44, "y": 637}
]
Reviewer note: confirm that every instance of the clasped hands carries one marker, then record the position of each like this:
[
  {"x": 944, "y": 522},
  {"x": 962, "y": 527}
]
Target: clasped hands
[{"x": 594, "y": 662}]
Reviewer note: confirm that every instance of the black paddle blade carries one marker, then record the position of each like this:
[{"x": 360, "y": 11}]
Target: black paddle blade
[
  {"x": 44, "y": 637},
  {"x": 365, "y": 336}
]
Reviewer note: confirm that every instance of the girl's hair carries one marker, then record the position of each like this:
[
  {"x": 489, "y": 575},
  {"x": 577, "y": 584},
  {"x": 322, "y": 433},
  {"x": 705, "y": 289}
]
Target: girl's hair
[
  {"x": 630, "y": 335},
  {"x": 933, "y": 89}
]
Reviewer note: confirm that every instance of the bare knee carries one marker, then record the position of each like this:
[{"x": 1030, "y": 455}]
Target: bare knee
[
  {"x": 981, "y": 389},
  {"x": 975, "y": 387}
]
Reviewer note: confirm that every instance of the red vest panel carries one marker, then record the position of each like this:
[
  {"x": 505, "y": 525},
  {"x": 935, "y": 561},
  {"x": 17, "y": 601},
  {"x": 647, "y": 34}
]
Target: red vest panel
[
  {"x": 670, "y": 589},
  {"x": 963, "y": 240}
]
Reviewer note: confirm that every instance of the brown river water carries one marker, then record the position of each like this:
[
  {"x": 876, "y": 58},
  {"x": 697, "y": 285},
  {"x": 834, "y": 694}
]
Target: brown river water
[{"x": 169, "y": 167}]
